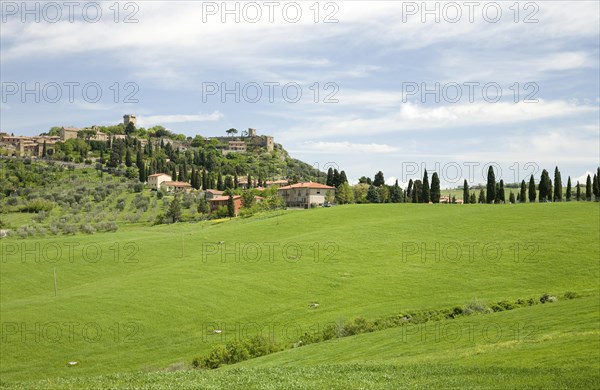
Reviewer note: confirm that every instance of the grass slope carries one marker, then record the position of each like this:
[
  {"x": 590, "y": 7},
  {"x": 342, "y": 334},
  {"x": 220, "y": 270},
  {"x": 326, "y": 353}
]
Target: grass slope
[{"x": 139, "y": 304}]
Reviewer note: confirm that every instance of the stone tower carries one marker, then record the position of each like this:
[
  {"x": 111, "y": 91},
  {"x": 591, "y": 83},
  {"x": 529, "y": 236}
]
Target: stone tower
[{"x": 130, "y": 118}]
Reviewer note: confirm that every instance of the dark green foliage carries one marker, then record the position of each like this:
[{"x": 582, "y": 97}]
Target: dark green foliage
[
  {"x": 569, "y": 191},
  {"x": 557, "y": 186},
  {"x": 379, "y": 180},
  {"x": 174, "y": 211},
  {"x": 230, "y": 206},
  {"x": 466, "y": 197},
  {"x": 373, "y": 195},
  {"x": 588, "y": 188},
  {"x": 435, "y": 188},
  {"x": 425, "y": 189},
  {"x": 532, "y": 192},
  {"x": 491, "y": 186},
  {"x": 523, "y": 193}
]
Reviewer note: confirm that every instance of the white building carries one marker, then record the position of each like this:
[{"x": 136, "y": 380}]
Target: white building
[
  {"x": 305, "y": 194},
  {"x": 154, "y": 181}
]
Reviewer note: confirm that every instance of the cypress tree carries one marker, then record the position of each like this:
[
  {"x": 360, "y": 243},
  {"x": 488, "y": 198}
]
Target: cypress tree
[
  {"x": 409, "y": 189},
  {"x": 336, "y": 178},
  {"x": 379, "y": 180},
  {"x": 235, "y": 180},
  {"x": 588, "y": 188},
  {"x": 344, "y": 179},
  {"x": 128, "y": 161},
  {"x": 501, "y": 196},
  {"x": 425, "y": 188},
  {"x": 466, "y": 197},
  {"x": 174, "y": 173},
  {"x": 595, "y": 188},
  {"x": 491, "y": 186},
  {"x": 511, "y": 198},
  {"x": 435, "y": 188},
  {"x": 557, "y": 186},
  {"x": 396, "y": 193},
  {"x": 482, "y": 198},
  {"x": 142, "y": 173},
  {"x": 523, "y": 192},
  {"x": 44, "y": 151},
  {"x": 220, "y": 185},
  {"x": 473, "y": 199},
  {"x": 532, "y": 193},
  {"x": 578, "y": 192},
  {"x": 543, "y": 188},
  {"x": 230, "y": 206},
  {"x": 416, "y": 192},
  {"x": 568, "y": 195},
  {"x": 329, "y": 180}
]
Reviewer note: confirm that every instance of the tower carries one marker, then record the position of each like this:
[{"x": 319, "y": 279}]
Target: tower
[{"x": 129, "y": 118}]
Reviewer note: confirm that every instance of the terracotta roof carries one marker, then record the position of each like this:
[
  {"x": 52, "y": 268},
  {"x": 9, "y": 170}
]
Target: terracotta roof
[
  {"x": 309, "y": 184},
  {"x": 159, "y": 174},
  {"x": 222, "y": 198},
  {"x": 216, "y": 192},
  {"x": 176, "y": 184}
]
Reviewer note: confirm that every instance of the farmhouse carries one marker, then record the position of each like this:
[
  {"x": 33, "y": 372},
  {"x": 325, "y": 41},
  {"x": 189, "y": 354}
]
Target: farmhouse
[
  {"x": 305, "y": 194},
  {"x": 211, "y": 194},
  {"x": 175, "y": 186},
  {"x": 155, "y": 180},
  {"x": 220, "y": 201}
]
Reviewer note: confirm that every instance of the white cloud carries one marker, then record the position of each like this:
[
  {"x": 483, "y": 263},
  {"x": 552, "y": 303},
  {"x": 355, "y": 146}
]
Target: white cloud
[
  {"x": 152, "y": 120},
  {"x": 348, "y": 147}
]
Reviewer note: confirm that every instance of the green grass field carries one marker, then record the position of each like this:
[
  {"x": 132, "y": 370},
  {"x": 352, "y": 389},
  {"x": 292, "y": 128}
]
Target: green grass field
[{"x": 132, "y": 303}]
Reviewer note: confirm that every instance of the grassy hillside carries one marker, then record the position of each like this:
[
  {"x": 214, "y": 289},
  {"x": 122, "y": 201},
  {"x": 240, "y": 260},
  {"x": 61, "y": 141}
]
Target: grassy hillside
[
  {"x": 131, "y": 300},
  {"x": 545, "y": 346}
]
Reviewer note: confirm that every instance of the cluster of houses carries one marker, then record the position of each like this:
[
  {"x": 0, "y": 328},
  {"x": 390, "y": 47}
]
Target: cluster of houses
[
  {"x": 34, "y": 145},
  {"x": 295, "y": 195}
]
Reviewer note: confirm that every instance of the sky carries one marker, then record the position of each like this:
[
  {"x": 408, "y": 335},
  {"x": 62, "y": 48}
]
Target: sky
[{"x": 401, "y": 87}]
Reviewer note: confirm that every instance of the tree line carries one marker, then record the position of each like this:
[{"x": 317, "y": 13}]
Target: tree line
[{"x": 425, "y": 191}]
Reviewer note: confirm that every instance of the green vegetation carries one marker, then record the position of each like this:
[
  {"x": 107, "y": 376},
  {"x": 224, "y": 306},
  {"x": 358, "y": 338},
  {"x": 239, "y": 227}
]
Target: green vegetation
[{"x": 158, "y": 295}]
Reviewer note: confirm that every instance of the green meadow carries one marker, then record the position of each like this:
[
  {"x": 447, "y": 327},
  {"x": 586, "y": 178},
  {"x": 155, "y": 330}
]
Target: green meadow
[{"x": 135, "y": 307}]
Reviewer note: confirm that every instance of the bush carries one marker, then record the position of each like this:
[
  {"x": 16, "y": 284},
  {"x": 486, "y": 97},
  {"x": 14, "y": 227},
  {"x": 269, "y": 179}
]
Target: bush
[
  {"x": 475, "y": 307},
  {"x": 357, "y": 326},
  {"x": 548, "y": 298},
  {"x": 159, "y": 194},
  {"x": 138, "y": 187},
  {"x": 69, "y": 229},
  {"x": 87, "y": 228},
  {"x": 570, "y": 295}
]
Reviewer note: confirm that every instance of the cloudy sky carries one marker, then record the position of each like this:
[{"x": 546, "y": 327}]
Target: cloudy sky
[{"x": 363, "y": 86}]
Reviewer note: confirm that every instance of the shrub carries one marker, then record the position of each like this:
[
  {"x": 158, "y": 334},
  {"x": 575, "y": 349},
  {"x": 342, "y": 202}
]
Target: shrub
[
  {"x": 548, "y": 298},
  {"x": 138, "y": 187},
  {"x": 159, "y": 194},
  {"x": 475, "y": 307},
  {"x": 357, "y": 326},
  {"x": 570, "y": 295},
  {"x": 69, "y": 229},
  {"x": 87, "y": 228}
]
